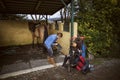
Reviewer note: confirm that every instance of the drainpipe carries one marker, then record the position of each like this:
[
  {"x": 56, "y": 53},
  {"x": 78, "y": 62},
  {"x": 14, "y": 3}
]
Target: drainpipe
[
  {"x": 72, "y": 18},
  {"x": 72, "y": 15}
]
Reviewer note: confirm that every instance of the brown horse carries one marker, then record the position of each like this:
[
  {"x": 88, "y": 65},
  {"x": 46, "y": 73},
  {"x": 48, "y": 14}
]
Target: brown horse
[{"x": 39, "y": 32}]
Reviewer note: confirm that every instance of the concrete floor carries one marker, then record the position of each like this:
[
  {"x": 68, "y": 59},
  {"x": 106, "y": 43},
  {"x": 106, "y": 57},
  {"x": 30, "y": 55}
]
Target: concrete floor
[{"x": 15, "y": 59}]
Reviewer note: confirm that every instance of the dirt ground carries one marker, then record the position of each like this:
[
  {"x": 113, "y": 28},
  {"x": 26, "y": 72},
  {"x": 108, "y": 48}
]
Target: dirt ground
[
  {"x": 12, "y": 54},
  {"x": 105, "y": 69}
]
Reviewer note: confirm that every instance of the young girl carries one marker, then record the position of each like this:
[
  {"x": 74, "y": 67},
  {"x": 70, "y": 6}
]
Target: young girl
[{"x": 75, "y": 56}]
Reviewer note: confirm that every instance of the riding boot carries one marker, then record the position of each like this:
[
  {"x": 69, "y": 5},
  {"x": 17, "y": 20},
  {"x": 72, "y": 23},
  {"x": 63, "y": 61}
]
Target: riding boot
[
  {"x": 53, "y": 62},
  {"x": 49, "y": 60}
]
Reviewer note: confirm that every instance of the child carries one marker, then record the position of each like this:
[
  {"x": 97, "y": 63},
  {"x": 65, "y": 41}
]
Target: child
[{"x": 75, "y": 57}]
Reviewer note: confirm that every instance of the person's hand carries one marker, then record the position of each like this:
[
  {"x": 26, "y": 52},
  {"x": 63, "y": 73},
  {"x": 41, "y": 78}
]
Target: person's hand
[
  {"x": 55, "y": 44},
  {"x": 79, "y": 51}
]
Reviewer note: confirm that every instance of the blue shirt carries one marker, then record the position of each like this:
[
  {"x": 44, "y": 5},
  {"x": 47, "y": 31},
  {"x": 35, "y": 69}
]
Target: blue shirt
[{"x": 50, "y": 40}]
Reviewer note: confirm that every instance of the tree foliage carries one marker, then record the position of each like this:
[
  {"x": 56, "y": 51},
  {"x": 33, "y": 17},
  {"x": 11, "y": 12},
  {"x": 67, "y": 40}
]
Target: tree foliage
[{"x": 99, "y": 22}]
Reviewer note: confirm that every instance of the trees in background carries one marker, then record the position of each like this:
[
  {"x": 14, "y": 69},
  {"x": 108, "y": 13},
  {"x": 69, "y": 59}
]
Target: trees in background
[{"x": 99, "y": 21}]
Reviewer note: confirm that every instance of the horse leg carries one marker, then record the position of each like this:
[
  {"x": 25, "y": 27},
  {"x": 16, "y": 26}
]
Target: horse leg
[
  {"x": 33, "y": 43},
  {"x": 39, "y": 36},
  {"x": 39, "y": 42},
  {"x": 33, "y": 39}
]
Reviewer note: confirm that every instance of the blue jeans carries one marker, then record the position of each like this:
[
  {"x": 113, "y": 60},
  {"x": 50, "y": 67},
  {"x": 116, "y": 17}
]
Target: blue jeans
[{"x": 50, "y": 51}]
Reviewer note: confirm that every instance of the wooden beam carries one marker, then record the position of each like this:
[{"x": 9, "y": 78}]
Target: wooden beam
[
  {"x": 21, "y": 2},
  {"x": 39, "y": 17},
  {"x": 36, "y": 17},
  {"x": 37, "y": 6},
  {"x": 57, "y": 2},
  {"x": 32, "y": 18},
  {"x": 2, "y": 4},
  {"x": 41, "y": 12},
  {"x": 46, "y": 19}
]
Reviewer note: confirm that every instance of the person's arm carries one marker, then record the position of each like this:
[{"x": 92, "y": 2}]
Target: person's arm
[{"x": 55, "y": 42}]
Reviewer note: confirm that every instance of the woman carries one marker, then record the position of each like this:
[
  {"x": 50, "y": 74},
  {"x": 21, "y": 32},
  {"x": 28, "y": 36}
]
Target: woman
[{"x": 49, "y": 43}]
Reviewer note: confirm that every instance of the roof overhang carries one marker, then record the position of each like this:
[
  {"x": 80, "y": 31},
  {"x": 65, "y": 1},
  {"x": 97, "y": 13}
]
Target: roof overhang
[{"x": 41, "y": 7}]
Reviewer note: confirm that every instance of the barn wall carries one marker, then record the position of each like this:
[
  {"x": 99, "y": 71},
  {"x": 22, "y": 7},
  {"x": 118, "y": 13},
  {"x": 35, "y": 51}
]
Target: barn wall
[
  {"x": 17, "y": 33},
  {"x": 14, "y": 33}
]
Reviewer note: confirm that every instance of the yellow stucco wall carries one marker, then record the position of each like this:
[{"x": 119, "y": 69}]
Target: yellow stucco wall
[
  {"x": 14, "y": 33},
  {"x": 17, "y": 33},
  {"x": 65, "y": 40}
]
